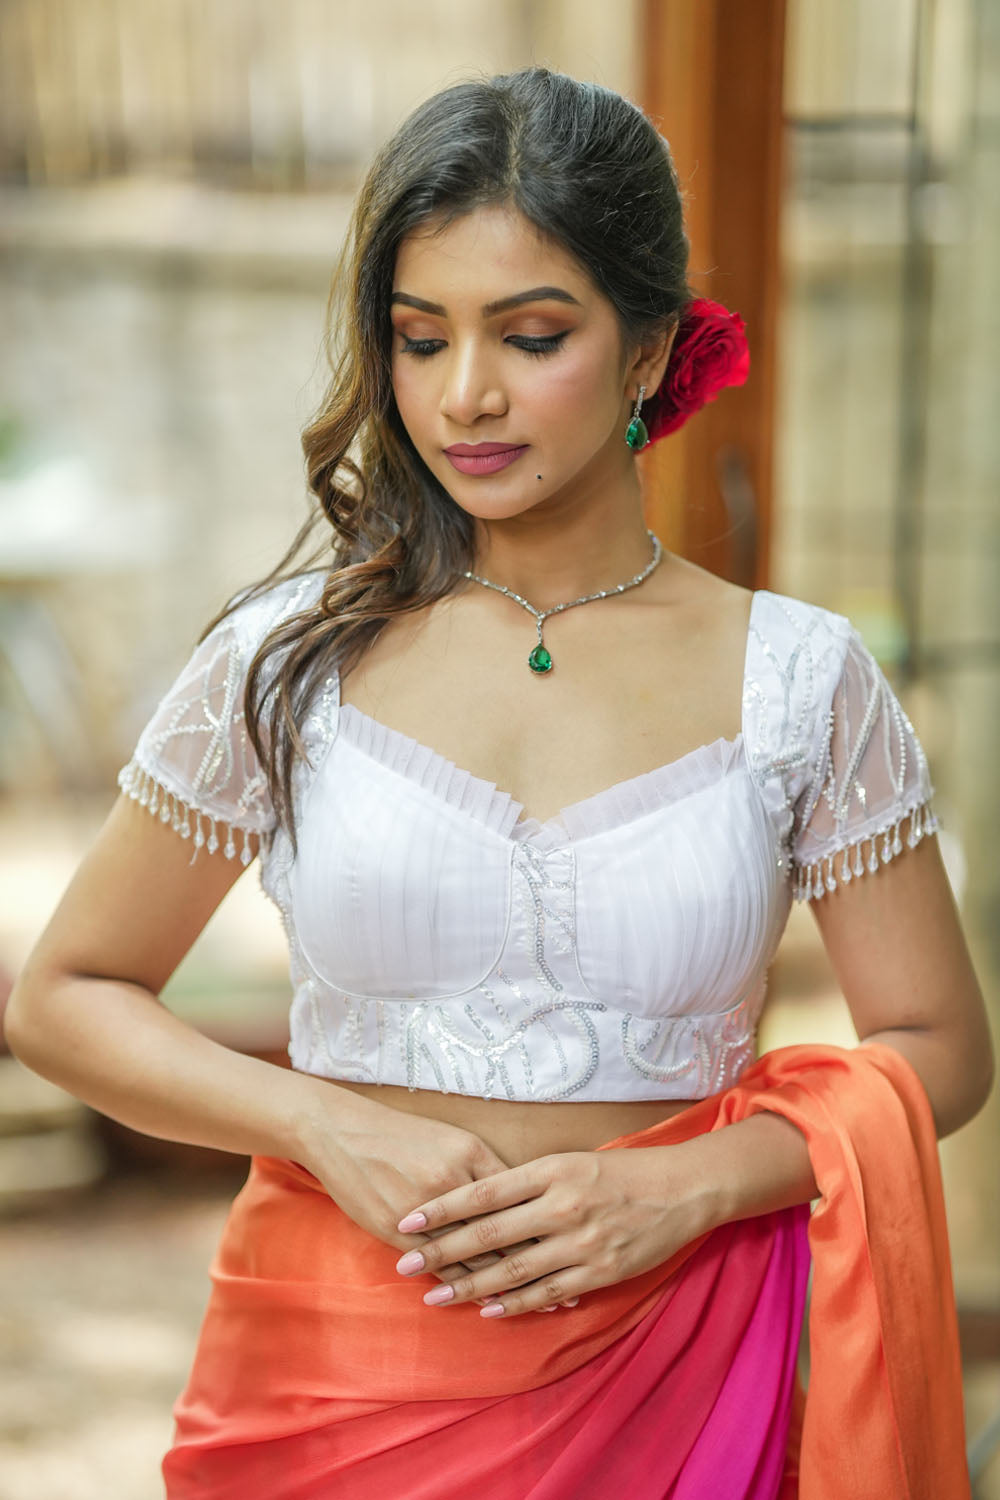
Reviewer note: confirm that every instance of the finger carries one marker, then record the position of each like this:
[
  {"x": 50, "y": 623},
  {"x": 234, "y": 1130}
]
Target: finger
[
  {"x": 487, "y": 1257},
  {"x": 490, "y": 1258},
  {"x": 506, "y": 1232},
  {"x": 455, "y": 1269},
  {"x": 450, "y": 1274},
  {"x": 538, "y": 1265},
  {"x": 476, "y": 1199},
  {"x": 536, "y": 1297},
  {"x": 417, "y": 1262},
  {"x": 472, "y": 1262},
  {"x": 475, "y": 1263}
]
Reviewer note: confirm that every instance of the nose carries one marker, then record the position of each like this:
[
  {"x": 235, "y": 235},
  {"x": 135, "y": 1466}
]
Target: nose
[{"x": 472, "y": 387}]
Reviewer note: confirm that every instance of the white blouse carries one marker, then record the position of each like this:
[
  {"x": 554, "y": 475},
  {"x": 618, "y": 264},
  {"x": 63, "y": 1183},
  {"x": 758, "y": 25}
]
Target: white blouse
[{"x": 439, "y": 939}]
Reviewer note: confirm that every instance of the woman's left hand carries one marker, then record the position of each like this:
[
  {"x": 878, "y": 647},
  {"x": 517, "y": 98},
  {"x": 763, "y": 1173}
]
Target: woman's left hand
[{"x": 598, "y": 1217}]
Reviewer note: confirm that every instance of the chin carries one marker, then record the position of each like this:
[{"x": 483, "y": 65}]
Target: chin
[
  {"x": 493, "y": 500},
  {"x": 497, "y": 510}
]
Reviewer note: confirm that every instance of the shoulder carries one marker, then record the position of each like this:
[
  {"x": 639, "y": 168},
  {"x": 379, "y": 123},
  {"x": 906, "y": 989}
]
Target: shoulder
[
  {"x": 253, "y": 612},
  {"x": 787, "y": 628},
  {"x": 795, "y": 657},
  {"x": 788, "y": 632}
]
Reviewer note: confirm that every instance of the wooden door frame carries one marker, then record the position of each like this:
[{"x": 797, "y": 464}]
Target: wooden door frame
[{"x": 711, "y": 78}]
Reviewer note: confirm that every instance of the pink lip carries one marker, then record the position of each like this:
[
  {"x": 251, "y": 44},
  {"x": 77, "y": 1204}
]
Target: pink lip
[
  {"x": 480, "y": 450},
  {"x": 483, "y": 458}
]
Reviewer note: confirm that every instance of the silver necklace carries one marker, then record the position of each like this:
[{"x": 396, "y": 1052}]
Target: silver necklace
[{"x": 540, "y": 660}]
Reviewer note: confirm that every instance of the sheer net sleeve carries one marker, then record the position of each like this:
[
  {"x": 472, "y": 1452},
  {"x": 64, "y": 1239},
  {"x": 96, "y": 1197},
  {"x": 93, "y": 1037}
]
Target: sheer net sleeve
[
  {"x": 871, "y": 775},
  {"x": 194, "y": 766}
]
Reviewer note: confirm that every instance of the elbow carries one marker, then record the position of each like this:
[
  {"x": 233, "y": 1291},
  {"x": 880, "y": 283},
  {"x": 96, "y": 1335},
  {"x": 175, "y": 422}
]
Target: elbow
[
  {"x": 16, "y": 1024},
  {"x": 971, "y": 1094},
  {"x": 24, "y": 1026},
  {"x": 986, "y": 1059},
  {"x": 956, "y": 1070},
  {"x": 988, "y": 1081}
]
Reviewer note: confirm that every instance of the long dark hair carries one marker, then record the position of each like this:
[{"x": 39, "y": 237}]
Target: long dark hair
[{"x": 587, "y": 168}]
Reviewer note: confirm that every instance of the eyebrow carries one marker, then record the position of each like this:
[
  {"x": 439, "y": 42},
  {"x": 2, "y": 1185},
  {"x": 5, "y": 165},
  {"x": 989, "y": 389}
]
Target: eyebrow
[{"x": 491, "y": 309}]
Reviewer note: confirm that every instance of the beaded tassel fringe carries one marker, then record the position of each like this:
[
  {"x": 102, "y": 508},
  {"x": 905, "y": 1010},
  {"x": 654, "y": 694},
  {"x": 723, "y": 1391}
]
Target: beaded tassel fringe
[
  {"x": 812, "y": 881},
  {"x": 169, "y": 808}
]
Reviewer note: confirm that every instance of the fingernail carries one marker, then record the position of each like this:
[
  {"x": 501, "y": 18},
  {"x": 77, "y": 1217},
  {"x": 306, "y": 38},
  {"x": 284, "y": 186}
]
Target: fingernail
[
  {"x": 412, "y": 1222},
  {"x": 571, "y": 1302},
  {"x": 439, "y": 1294},
  {"x": 410, "y": 1262},
  {"x": 492, "y": 1310}
]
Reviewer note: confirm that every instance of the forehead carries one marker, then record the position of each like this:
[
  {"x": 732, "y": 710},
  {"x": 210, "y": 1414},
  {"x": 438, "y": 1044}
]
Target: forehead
[{"x": 487, "y": 252}]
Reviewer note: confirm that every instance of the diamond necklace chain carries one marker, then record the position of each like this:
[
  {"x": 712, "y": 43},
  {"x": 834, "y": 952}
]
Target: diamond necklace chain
[{"x": 540, "y": 659}]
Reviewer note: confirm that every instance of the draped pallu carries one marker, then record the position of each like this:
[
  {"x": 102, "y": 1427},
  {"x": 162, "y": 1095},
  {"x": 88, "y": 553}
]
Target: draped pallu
[{"x": 320, "y": 1372}]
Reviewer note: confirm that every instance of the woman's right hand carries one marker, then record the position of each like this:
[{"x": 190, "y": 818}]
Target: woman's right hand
[{"x": 376, "y": 1162}]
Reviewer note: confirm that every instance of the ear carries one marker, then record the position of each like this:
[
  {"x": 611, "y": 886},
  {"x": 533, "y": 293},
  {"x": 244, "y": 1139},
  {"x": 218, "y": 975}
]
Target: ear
[{"x": 649, "y": 361}]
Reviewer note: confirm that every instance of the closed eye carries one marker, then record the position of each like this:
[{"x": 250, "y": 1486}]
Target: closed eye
[
  {"x": 540, "y": 345},
  {"x": 424, "y": 348},
  {"x": 421, "y": 347}
]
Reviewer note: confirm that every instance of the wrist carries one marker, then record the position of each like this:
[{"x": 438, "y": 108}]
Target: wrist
[
  {"x": 687, "y": 1177},
  {"x": 320, "y": 1113}
]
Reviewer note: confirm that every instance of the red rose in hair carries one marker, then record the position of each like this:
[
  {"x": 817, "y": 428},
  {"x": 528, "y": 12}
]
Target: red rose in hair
[{"x": 709, "y": 352}]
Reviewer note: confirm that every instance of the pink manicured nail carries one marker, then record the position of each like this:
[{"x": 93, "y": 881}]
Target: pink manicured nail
[
  {"x": 438, "y": 1295},
  {"x": 571, "y": 1302},
  {"x": 410, "y": 1262},
  {"x": 492, "y": 1310},
  {"x": 412, "y": 1222}
]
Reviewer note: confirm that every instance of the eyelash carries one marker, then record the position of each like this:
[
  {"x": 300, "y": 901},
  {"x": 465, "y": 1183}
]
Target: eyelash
[{"x": 424, "y": 348}]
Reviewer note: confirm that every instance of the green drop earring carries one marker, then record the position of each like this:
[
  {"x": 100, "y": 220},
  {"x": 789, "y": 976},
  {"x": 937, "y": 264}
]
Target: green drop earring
[{"x": 636, "y": 433}]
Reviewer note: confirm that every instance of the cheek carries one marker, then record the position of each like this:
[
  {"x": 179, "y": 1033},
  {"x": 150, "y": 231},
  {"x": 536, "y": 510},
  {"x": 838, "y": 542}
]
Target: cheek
[
  {"x": 584, "y": 390},
  {"x": 412, "y": 395}
]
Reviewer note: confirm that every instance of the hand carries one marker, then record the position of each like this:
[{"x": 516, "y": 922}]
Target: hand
[
  {"x": 598, "y": 1217},
  {"x": 378, "y": 1159}
]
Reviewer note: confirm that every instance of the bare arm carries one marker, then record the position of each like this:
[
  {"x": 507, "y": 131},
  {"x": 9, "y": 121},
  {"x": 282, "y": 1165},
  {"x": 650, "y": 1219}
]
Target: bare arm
[
  {"x": 897, "y": 947},
  {"x": 85, "y": 1011}
]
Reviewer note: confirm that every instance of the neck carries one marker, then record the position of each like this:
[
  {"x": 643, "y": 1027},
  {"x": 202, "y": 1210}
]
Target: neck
[{"x": 549, "y": 565}]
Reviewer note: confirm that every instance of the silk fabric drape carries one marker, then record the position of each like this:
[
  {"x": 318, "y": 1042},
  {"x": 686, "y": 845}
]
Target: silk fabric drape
[{"x": 320, "y": 1372}]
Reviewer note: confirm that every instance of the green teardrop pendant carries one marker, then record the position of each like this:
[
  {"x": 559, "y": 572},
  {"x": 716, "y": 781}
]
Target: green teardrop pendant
[
  {"x": 540, "y": 660},
  {"x": 636, "y": 434}
]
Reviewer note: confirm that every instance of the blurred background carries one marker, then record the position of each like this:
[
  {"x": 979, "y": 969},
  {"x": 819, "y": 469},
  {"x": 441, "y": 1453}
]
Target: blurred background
[{"x": 175, "y": 178}]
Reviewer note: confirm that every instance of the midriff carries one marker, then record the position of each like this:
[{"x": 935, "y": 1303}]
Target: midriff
[{"x": 520, "y": 1132}]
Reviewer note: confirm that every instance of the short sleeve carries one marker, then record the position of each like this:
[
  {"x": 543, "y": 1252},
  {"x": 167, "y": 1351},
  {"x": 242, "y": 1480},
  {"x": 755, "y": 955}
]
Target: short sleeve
[
  {"x": 194, "y": 766},
  {"x": 870, "y": 774}
]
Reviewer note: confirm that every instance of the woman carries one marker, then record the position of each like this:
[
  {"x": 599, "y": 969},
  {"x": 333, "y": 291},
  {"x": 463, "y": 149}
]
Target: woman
[{"x": 497, "y": 1002}]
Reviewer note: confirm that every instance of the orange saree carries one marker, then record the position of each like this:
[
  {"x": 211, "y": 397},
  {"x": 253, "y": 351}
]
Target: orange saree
[{"x": 320, "y": 1372}]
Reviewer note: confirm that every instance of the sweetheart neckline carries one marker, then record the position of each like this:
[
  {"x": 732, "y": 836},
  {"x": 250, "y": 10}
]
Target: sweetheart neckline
[
  {"x": 525, "y": 827},
  {"x": 498, "y": 804}
]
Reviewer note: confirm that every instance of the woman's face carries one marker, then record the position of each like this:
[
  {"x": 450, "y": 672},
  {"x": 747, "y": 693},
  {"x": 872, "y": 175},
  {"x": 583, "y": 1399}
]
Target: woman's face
[{"x": 508, "y": 365}]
